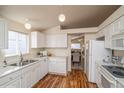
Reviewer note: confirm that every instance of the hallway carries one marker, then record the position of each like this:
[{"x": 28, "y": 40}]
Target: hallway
[{"x": 74, "y": 79}]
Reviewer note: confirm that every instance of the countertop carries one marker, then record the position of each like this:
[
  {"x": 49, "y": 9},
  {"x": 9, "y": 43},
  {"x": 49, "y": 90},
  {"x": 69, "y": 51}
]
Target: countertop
[
  {"x": 10, "y": 69},
  {"x": 57, "y": 56}
]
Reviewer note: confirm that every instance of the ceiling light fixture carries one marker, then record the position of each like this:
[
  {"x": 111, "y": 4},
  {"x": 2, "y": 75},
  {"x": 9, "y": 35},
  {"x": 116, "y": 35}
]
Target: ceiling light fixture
[
  {"x": 61, "y": 16},
  {"x": 27, "y": 24}
]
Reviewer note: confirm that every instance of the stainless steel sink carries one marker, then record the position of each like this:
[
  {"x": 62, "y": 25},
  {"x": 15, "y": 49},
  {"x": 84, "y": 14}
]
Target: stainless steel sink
[
  {"x": 115, "y": 71},
  {"x": 26, "y": 62}
]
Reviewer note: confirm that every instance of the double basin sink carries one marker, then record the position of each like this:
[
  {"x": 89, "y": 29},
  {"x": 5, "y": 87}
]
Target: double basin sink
[
  {"x": 23, "y": 63},
  {"x": 115, "y": 71}
]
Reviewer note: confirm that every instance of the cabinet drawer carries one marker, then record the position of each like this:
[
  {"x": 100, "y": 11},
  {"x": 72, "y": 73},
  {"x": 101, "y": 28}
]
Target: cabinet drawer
[{"x": 9, "y": 77}]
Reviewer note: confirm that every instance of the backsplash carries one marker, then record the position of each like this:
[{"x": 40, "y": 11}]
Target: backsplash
[
  {"x": 119, "y": 53},
  {"x": 58, "y": 52}
]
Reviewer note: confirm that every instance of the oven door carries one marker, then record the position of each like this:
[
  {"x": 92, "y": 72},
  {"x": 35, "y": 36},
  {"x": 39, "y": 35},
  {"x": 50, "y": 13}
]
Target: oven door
[{"x": 107, "y": 81}]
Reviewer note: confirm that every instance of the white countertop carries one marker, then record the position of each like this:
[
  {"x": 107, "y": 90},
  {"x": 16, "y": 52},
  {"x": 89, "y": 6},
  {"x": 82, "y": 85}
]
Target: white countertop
[
  {"x": 10, "y": 69},
  {"x": 7, "y": 70},
  {"x": 57, "y": 56}
]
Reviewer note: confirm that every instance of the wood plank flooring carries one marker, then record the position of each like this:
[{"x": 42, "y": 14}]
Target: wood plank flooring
[{"x": 74, "y": 79}]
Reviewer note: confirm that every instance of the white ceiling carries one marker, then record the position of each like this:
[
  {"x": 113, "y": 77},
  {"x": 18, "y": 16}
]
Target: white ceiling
[{"x": 46, "y": 16}]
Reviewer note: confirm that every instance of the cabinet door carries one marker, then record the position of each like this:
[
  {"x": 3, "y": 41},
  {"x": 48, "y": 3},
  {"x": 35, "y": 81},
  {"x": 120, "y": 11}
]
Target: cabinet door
[
  {"x": 35, "y": 74},
  {"x": 60, "y": 67},
  {"x": 13, "y": 84},
  {"x": 41, "y": 70},
  {"x": 56, "y": 40},
  {"x": 26, "y": 80},
  {"x": 3, "y": 35},
  {"x": 121, "y": 27},
  {"x": 37, "y": 40},
  {"x": 42, "y": 40},
  {"x": 50, "y": 41},
  {"x": 116, "y": 27},
  {"x": 61, "y": 40},
  {"x": 52, "y": 66},
  {"x": 108, "y": 36},
  {"x": 47, "y": 66}
]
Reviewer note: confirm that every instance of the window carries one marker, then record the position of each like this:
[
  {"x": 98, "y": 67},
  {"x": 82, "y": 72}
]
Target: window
[
  {"x": 75, "y": 46},
  {"x": 17, "y": 42}
]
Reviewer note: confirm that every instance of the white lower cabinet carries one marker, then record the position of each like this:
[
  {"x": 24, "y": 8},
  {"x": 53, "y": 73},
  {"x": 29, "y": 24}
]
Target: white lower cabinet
[
  {"x": 12, "y": 80},
  {"x": 35, "y": 74},
  {"x": 52, "y": 66},
  {"x": 32, "y": 74},
  {"x": 26, "y": 78},
  {"x": 14, "y": 83},
  {"x": 58, "y": 65}
]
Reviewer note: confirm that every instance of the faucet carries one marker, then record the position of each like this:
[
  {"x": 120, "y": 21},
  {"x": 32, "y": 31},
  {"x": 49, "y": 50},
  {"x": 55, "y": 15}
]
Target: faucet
[{"x": 21, "y": 59}]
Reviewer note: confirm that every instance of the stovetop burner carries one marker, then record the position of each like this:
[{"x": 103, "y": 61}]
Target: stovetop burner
[{"x": 115, "y": 71}]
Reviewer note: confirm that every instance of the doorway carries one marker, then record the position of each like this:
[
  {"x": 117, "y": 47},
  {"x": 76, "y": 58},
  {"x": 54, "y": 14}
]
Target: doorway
[{"x": 77, "y": 51}]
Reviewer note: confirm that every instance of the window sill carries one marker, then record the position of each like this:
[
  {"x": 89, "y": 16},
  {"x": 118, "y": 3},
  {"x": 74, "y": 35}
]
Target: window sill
[{"x": 15, "y": 55}]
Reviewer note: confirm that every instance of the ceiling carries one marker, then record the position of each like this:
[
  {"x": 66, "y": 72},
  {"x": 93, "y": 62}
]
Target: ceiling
[{"x": 46, "y": 16}]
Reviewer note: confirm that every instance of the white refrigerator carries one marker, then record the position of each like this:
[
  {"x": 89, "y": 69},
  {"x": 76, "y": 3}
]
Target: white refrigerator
[{"x": 95, "y": 50}]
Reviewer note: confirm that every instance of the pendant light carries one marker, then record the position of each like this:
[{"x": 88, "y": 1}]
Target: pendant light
[
  {"x": 61, "y": 16},
  {"x": 27, "y": 24}
]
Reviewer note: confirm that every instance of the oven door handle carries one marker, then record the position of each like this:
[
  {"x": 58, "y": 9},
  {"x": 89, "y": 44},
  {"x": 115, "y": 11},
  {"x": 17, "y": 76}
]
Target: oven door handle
[{"x": 106, "y": 77}]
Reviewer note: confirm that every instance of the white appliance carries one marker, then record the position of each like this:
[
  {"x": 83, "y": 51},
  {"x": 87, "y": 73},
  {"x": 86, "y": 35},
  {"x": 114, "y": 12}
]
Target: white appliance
[
  {"x": 107, "y": 81},
  {"x": 94, "y": 51}
]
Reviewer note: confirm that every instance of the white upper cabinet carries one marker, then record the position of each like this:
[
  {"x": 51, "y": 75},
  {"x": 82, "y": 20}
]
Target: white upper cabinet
[
  {"x": 3, "y": 34},
  {"x": 108, "y": 32},
  {"x": 118, "y": 26},
  {"x": 56, "y": 40},
  {"x": 37, "y": 39},
  {"x": 118, "y": 34}
]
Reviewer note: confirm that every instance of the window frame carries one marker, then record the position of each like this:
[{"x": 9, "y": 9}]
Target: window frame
[{"x": 17, "y": 44}]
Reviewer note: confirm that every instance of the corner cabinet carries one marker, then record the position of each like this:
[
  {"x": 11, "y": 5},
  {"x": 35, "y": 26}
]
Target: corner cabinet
[
  {"x": 56, "y": 40},
  {"x": 37, "y": 39},
  {"x": 3, "y": 34}
]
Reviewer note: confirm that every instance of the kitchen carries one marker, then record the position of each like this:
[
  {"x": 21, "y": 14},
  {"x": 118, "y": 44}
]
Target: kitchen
[{"x": 31, "y": 54}]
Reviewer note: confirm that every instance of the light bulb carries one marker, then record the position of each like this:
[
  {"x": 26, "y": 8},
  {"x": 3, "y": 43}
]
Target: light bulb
[
  {"x": 28, "y": 26},
  {"x": 61, "y": 17}
]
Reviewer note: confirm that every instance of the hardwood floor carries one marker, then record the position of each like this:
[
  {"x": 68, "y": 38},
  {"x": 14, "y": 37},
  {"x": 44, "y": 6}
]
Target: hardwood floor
[{"x": 74, "y": 79}]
